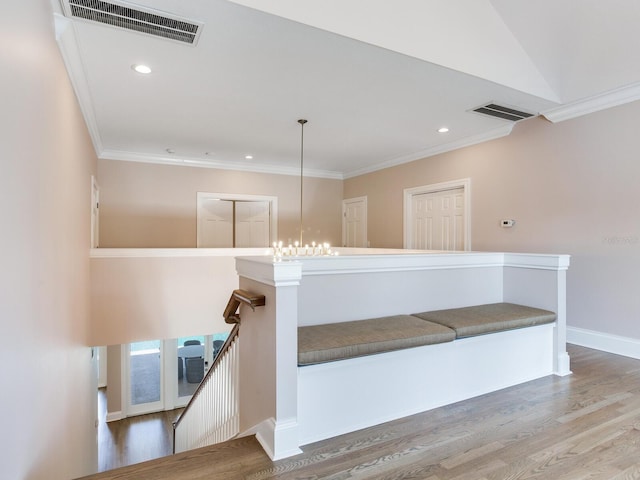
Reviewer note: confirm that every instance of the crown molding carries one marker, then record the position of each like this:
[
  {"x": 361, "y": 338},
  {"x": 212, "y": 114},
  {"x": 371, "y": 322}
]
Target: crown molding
[
  {"x": 612, "y": 98},
  {"x": 196, "y": 162},
  {"x": 68, "y": 45},
  {"x": 502, "y": 131}
]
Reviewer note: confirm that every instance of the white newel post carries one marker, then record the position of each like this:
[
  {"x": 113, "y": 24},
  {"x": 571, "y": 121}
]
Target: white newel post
[
  {"x": 269, "y": 354},
  {"x": 562, "y": 365},
  {"x": 541, "y": 280}
]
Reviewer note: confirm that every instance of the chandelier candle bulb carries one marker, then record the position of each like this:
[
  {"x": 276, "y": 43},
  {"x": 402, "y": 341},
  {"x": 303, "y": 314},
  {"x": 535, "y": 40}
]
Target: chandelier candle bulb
[{"x": 298, "y": 250}]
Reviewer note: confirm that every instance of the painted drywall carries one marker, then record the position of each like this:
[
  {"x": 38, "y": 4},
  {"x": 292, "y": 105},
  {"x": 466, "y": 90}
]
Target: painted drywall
[
  {"x": 570, "y": 186},
  {"x": 145, "y": 298},
  {"x": 151, "y": 206},
  {"x": 47, "y": 160}
]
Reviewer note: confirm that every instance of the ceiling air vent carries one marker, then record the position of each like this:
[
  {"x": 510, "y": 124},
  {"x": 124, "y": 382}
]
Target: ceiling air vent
[
  {"x": 505, "y": 113},
  {"x": 134, "y": 17}
]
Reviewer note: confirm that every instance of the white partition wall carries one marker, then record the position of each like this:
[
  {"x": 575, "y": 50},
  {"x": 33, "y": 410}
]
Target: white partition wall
[{"x": 324, "y": 400}]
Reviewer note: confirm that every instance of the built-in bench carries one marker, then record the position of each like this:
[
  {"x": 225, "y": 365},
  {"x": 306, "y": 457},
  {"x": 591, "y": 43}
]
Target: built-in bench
[
  {"x": 360, "y": 373},
  {"x": 340, "y": 341}
]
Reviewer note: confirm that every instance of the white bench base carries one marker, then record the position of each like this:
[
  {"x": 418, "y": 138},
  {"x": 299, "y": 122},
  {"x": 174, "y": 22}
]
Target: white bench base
[{"x": 347, "y": 395}]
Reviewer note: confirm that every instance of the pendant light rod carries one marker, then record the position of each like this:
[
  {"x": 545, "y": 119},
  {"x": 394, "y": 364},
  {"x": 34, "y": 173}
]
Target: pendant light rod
[{"x": 302, "y": 121}]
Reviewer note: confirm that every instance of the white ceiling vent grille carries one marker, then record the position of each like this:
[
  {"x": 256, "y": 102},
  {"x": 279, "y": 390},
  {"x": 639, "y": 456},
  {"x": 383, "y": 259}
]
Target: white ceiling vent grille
[
  {"x": 134, "y": 17},
  {"x": 506, "y": 113}
]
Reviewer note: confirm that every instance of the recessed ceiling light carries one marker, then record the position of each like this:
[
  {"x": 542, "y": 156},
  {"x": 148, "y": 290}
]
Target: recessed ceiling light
[
  {"x": 141, "y": 69},
  {"x": 443, "y": 130},
  {"x": 248, "y": 157}
]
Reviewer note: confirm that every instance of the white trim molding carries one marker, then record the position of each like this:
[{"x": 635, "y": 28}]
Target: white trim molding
[
  {"x": 68, "y": 45},
  {"x": 613, "y": 98},
  {"x": 142, "y": 157},
  {"x": 499, "y": 132},
  {"x": 114, "y": 416},
  {"x": 606, "y": 342}
]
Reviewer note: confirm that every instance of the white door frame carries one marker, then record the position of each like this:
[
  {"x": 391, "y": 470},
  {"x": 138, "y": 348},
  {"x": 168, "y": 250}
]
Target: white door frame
[
  {"x": 344, "y": 219},
  {"x": 127, "y": 408},
  {"x": 464, "y": 183},
  {"x": 95, "y": 212},
  {"x": 170, "y": 398},
  {"x": 273, "y": 205}
]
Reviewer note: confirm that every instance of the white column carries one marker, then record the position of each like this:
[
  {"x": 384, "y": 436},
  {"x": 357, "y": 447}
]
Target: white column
[
  {"x": 269, "y": 354},
  {"x": 539, "y": 280}
]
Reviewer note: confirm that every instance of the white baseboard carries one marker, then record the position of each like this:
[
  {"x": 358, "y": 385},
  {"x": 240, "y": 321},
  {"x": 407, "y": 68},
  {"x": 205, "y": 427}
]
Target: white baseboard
[
  {"x": 114, "y": 416},
  {"x": 626, "y": 346},
  {"x": 278, "y": 440}
]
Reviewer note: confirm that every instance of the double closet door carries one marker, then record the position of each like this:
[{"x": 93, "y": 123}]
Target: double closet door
[{"x": 234, "y": 223}]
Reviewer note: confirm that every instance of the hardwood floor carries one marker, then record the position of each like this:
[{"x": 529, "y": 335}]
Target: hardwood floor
[
  {"x": 135, "y": 439},
  {"x": 583, "y": 426}
]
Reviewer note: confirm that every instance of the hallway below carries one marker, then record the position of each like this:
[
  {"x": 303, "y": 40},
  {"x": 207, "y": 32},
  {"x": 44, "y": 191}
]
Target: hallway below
[{"x": 134, "y": 439}]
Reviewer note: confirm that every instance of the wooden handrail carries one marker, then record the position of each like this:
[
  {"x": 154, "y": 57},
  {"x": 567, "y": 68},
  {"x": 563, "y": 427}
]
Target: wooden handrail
[
  {"x": 230, "y": 316},
  {"x": 241, "y": 296}
]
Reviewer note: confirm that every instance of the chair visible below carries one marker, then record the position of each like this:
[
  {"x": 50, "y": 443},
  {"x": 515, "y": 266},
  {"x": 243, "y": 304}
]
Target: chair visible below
[
  {"x": 191, "y": 342},
  {"x": 217, "y": 345},
  {"x": 195, "y": 369},
  {"x": 180, "y": 368}
]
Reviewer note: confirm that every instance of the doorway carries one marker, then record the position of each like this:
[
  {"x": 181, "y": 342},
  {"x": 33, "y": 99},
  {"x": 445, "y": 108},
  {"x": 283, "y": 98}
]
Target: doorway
[
  {"x": 436, "y": 217},
  {"x": 235, "y": 221},
  {"x": 144, "y": 377},
  {"x": 354, "y": 222}
]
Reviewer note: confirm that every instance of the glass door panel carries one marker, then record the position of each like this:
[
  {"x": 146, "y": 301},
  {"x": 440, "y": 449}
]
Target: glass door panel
[
  {"x": 145, "y": 377},
  {"x": 191, "y": 364}
]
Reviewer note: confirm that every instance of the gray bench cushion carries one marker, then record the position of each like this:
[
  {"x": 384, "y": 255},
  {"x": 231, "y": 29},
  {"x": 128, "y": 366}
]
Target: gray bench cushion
[
  {"x": 494, "y": 317},
  {"x": 337, "y": 341}
]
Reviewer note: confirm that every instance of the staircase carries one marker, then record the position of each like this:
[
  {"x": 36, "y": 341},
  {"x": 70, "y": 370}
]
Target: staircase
[{"x": 212, "y": 415}]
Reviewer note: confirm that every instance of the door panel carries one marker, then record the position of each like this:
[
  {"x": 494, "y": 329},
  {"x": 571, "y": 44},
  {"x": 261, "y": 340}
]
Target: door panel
[
  {"x": 145, "y": 377},
  {"x": 354, "y": 224},
  {"x": 252, "y": 221},
  {"x": 438, "y": 220},
  {"x": 216, "y": 224}
]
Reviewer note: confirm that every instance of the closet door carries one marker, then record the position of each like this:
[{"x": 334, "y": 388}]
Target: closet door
[
  {"x": 215, "y": 223},
  {"x": 252, "y": 221}
]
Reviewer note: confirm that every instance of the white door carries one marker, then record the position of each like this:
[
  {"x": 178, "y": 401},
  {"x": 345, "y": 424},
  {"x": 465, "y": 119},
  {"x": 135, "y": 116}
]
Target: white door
[
  {"x": 252, "y": 222},
  {"x": 438, "y": 220},
  {"x": 145, "y": 379},
  {"x": 235, "y": 220},
  {"x": 354, "y": 222},
  {"x": 215, "y": 224}
]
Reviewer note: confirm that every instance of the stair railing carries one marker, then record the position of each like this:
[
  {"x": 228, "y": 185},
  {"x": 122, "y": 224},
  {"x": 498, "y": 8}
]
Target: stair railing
[{"x": 212, "y": 414}]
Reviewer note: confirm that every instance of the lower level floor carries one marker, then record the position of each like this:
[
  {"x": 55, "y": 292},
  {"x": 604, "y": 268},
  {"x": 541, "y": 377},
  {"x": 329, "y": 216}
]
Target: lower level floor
[{"x": 134, "y": 439}]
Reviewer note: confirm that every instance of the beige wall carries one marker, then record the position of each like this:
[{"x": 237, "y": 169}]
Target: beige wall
[
  {"x": 136, "y": 299},
  {"x": 46, "y": 160},
  {"x": 148, "y": 205},
  {"x": 572, "y": 187}
]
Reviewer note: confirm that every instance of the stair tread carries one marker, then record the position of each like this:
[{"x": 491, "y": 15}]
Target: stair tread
[{"x": 194, "y": 464}]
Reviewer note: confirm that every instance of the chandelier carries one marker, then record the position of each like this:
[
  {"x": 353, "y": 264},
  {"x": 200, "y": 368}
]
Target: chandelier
[{"x": 298, "y": 248}]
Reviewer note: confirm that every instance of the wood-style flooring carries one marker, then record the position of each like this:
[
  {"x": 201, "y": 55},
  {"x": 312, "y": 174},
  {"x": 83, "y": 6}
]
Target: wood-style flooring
[
  {"x": 583, "y": 426},
  {"x": 134, "y": 439}
]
